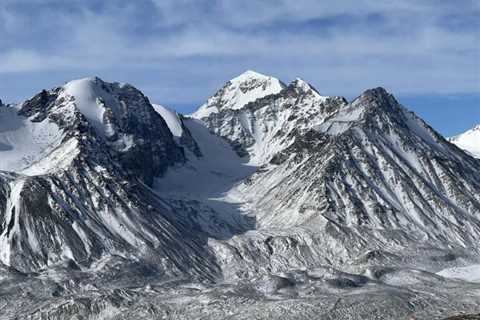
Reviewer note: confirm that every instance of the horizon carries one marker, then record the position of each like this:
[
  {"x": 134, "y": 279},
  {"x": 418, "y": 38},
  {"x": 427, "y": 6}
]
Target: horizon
[{"x": 179, "y": 53}]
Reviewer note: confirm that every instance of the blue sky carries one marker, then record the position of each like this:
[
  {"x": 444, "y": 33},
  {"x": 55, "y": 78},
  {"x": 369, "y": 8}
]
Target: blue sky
[{"x": 179, "y": 52}]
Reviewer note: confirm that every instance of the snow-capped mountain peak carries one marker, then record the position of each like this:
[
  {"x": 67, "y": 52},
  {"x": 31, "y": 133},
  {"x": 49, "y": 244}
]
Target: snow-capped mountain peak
[
  {"x": 46, "y": 132},
  {"x": 241, "y": 90},
  {"x": 469, "y": 141},
  {"x": 264, "y": 126},
  {"x": 377, "y": 108},
  {"x": 86, "y": 92}
]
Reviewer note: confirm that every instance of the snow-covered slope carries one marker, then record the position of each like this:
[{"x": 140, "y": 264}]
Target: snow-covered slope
[
  {"x": 181, "y": 134},
  {"x": 469, "y": 141},
  {"x": 23, "y": 143},
  {"x": 172, "y": 118},
  {"x": 219, "y": 167}
]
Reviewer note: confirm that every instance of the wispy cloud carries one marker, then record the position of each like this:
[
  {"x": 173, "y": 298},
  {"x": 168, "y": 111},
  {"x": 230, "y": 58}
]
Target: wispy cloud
[{"x": 342, "y": 47}]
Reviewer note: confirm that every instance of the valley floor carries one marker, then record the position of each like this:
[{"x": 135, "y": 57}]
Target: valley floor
[{"x": 397, "y": 294}]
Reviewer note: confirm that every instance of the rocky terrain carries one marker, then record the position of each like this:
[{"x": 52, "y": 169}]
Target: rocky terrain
[{"x": 270, "y": 201}]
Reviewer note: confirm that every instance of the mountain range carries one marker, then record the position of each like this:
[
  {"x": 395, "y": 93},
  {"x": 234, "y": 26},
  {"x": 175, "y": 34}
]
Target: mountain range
[{"x": 271, "y": 199}]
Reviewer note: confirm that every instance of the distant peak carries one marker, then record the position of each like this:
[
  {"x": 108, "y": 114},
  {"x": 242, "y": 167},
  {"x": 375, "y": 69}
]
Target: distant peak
[
  {"x": 300, "y": 82},
  {"x": 473, "y": 131}
]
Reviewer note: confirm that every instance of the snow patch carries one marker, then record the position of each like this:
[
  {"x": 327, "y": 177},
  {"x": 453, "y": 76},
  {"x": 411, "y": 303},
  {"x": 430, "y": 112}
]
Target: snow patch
[
  {"x": 469, "y": 273},
  {"x": 57, "y": 159},
  {"x": 23, "y": 142},
  {"x": 341, "y": 122}
]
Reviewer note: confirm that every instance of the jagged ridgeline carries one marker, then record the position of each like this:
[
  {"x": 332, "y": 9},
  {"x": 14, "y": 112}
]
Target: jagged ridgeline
[{"x": 263, "y": 180}]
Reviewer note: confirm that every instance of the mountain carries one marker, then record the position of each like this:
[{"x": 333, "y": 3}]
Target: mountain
[
  {"x": 260, "y": 127},
  {"x": 270, "y": 201},
  {"x": 74, "y": 186},
  {"x": 334, "y": 174},
  {"x": 469, "y": 141}
]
